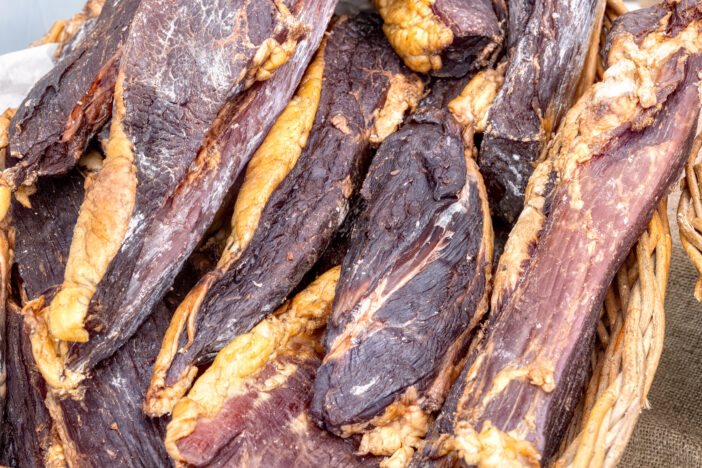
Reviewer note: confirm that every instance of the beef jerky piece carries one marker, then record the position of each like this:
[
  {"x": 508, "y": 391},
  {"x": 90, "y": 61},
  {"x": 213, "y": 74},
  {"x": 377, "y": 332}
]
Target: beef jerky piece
[
  {"x": 445, "y": 37},
  {"x": 54, "y": 123},
  {"x": 35, "y": 440},
  {"x": 413, "y": 285},
  {"x": 184, "y": 217},
  {"x": 519, "y": 13},
  {"x": 364, "y": 95},
  {"x": 618, "y": 151},
  {"x": 105, "y": 427},
  {"x": 540, "y": 84},
  {"x": 268, "y": 167},
  {"x": 250, "y": 407},
  {"x": 448, "y": 37},
  {"x": 163, "y": 109}
]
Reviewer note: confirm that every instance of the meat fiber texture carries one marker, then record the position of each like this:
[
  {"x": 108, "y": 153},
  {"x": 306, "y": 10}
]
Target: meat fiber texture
[
  {"x": 545, "y": 65},
  {"x": 413, "y": 284},
  {"x": 64, "y": 109},
  {"x": 191, "y": 135},
  {"x": 269, "y": 427},
  {"x": 305, "y": 209},
  {"x": 616, "y": 155},
  {"x": 250, "y": 406},
  {"x": 447, "y": 38},
  {"x": 105, "y": 426}
]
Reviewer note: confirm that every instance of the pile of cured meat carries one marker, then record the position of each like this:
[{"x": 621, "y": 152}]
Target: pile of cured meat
[{"x": 255, "y": 233}]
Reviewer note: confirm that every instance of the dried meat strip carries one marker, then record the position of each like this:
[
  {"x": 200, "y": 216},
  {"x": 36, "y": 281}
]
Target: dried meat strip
[
  {"x": 544, "y": 69},
  {"x": 250, "y": 407},
  {"x": 177, "y": 142},
  {"x": 616, "y": 155},
  {"x": 105, "y": 426},
  {"x": 445, "y": 37},
  {"x": 364, "y": 95},
  {"x": 413, "y": 286},
  {"x": 63, "y": 111}
]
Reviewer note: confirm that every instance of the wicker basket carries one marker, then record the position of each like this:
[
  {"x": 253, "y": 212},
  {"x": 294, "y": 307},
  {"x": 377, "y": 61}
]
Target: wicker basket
[
  {"x": 629, "y": 334},
  {"x": 690, "y": 212}
]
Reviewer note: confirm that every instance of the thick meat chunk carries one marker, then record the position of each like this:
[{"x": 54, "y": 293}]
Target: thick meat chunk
[
  {"x": 545, "y": 64},
  {"x": 365, "y": 92},
  {"x": 616, "y": 155},
  {"x": 445, "y": 37},
  {"x": 250, "y": 407},
  {"x": 105, "y": 425},
  {"x": 413, "y": 285},
  {"x": 63, "y": 111},
  {"x": 178, "y": 140}
]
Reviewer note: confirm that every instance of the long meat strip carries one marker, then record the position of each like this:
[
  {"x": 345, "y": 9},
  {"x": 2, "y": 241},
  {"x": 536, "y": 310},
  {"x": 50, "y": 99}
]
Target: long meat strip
[
  {"x": 71, "y": 103},
  {"x": 167, "y": 163},
  {"x": 365, "y": 93},
  {"x": 545, "y": 65},
  {"x": 250, "y": 407},
  {"x": 51, "y": 431},
  {"x": 413, "y": 285},
  {"x": 445, "y": 37},
  {"x": 270, "y": 164},
  {"x": 164, "y": 105},
  {"x": 185, "y": 215},
  {"x": 618, "y": 151}
]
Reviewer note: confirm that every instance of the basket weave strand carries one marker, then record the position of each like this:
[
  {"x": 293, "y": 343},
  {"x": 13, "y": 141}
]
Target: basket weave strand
[
  {"x": 630, "y": 331},
  {"x": 690, "y": 212}
]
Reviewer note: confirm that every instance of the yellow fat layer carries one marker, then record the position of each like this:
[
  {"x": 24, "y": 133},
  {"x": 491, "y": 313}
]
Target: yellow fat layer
[
  {"x": 248, "y": 353},
  {"x": 275, "y": 157},
  {"x": 474, "y": 102},
  {"x": 49, "y": 354},
  {"x": 99, "y": 232},
  {"x": 415, "y": 32},
  {"x": 492, "y": 448}
]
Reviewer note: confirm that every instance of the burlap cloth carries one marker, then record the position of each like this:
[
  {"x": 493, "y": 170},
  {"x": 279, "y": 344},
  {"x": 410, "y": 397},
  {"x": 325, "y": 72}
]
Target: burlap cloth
[{"x": 669, "y": 434}]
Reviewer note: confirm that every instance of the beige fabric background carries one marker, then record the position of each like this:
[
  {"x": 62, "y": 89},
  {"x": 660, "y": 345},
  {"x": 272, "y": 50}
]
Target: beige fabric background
[{"x": 669, "y": 434}]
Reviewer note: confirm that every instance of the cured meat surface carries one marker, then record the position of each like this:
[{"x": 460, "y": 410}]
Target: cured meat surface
[
  {"x": 413, "y": 285},
  {"x": 364, "y": 95},
  {"x": 250, "y": 407},
  {"x": 183, "y": 174},
  {"x": 71, "y": 103},
  {"x": 7, "y": 240},
  {"x": 545, "y": 65},
  {"x": 445, "y": 37},
  {"x": 105, "y": 425},
  {"x": 618, "y": 151}
]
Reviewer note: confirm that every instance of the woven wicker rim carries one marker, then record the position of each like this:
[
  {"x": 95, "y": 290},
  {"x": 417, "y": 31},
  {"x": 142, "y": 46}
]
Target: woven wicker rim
[
  {"x": 690, "y": 212},
  {"x": 630, "y": 330}
]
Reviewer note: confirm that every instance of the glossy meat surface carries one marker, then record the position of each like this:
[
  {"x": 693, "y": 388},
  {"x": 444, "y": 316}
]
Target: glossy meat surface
[{"x": 413, "y": 285}]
